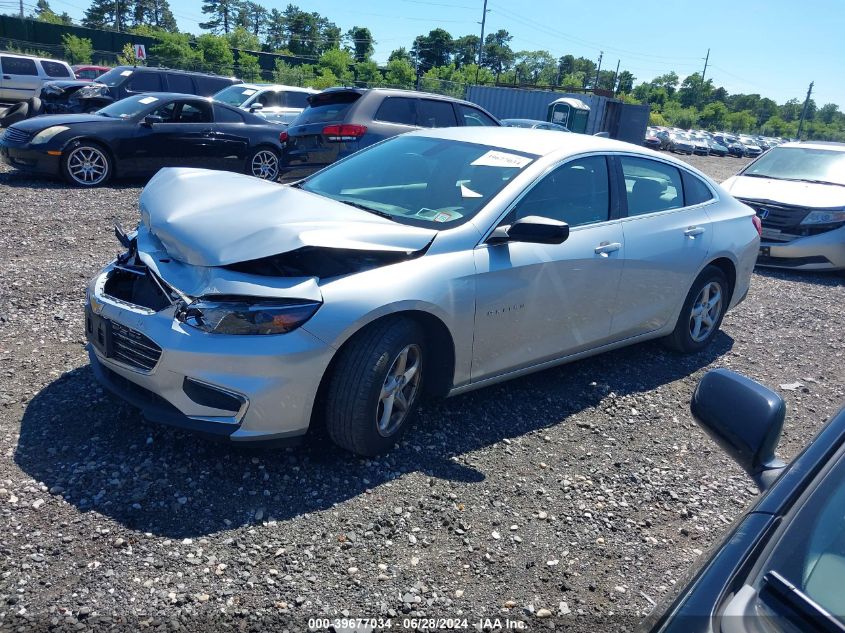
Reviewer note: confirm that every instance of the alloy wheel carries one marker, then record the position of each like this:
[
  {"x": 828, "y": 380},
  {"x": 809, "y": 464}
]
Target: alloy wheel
[
  {"x": 265, "y": 165},
  {"x": 87, "y": 165},
  {"x": 705, "y": 311},
  {"x": 399, "y": 390}
]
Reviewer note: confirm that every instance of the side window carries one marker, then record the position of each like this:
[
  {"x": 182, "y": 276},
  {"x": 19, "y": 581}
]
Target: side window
[
  {"x": 695, "y": 191},
  {"x": 398, "y": 110},
  {"x": 296, "y": 99},
  {"x": 54, "y": 69},
  {"x": 180, "y": 83},
  {"x": 195, "y": 113},
  {"x": 18, "y": 66},
  {"x": 433, "y": 113},
  {"x": 166, "y": 112},
  {"x": 225, "y": 115},
  {"x": 473, "y": 116},
  {"x": 577, "y": 193},
  {"x": 269, "y": 99},
  {"x": 144, "y": 82},
  {"x": 651, "y": 185}
]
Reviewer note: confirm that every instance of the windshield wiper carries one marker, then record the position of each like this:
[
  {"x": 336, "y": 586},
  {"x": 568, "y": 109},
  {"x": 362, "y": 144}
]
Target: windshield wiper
[
  {"x": 804, "y": 608},
  {"x": 364, "y": 207},
  {"x": 817, "y": 182}
]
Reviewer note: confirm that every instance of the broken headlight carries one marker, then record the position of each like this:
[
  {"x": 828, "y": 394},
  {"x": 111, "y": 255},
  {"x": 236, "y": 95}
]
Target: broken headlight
[{"x": 247, "y": 317}]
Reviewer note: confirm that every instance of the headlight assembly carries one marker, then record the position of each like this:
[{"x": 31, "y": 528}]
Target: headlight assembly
[
  {"x": 826, "y": 216},
  {"x": 245, "y": 316},
  {"x": 45, "y": 135}
]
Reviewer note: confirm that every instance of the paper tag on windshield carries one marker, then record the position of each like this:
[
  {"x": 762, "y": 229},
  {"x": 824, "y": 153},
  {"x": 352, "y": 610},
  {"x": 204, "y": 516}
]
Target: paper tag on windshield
[
  {"x": 248, "y": 92},
  {"x": 501, "y": 159},
  {"x": 126, "y": 73},
  {"x": 148, "y": 100},
  {"x": 466, "y": 192}
]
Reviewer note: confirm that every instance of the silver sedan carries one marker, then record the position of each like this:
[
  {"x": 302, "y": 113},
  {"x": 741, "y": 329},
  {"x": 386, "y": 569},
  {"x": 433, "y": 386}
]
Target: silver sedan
[{"x": 432, "y": 263}]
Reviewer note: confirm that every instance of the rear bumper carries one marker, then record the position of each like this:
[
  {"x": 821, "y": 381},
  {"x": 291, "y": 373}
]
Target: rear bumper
[
  {"x": 29, "y": 160},
  {"x": 818, "y": 252}
]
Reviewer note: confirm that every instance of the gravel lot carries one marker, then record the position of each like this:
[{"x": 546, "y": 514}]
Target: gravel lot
[{"x": 585, "y": 490}]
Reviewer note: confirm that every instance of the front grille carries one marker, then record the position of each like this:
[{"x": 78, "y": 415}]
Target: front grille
[
  {"x": 14, "y": 135},
  {"x": 133, "y": 348},
  {"x": 778, "y": 216}
]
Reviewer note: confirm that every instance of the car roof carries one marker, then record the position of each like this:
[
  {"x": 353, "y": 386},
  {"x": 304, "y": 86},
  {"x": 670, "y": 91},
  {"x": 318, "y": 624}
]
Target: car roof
[
  {"x": 828, "y": 145},
  {"x": 530, "y": 140},
  {"x": 162, "y": 69},
  {"x": 400, "y": 92},
  {"x": 22, "y": 56},
  {"x": 252, "y": 86}
]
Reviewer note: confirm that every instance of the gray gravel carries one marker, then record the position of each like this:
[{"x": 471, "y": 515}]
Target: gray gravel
[{"x": 577, "y": 496}]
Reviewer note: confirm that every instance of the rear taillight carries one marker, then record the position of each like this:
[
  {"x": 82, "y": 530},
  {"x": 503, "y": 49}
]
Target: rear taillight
[
  {"x": 757, "y": 225},
  {"x": 283, "y": 137},
  {"x": 339, "y": 133}
]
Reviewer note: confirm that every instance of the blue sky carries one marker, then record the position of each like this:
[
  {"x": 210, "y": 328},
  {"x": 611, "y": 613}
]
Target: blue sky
[{"x": 771, "y": 47}]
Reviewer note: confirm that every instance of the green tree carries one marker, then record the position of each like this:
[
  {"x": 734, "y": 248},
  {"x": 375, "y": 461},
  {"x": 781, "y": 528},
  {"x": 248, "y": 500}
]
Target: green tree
[
  {"x": 289, "y": 75},
  {"x": 248, "y": 67},
  {"x": 791, "y": 110},
  {"x": 828, "y": 113},
  {"x": 253, "y": 17},
  {"x": 174, "y": 49},
  {"x": 668, "y": 81},
  {"x": 107, "y": 14},
  {"x": 127, "y": 57},
  {"x": 43, "y": 13},
  {"x": 339, "y": 63},
  {"x": 625, "y": 82},
  {"x": 368, "y": 73},
  {"x": 714, "y": 115},
  {"x": 242, "y": 39},
  {"x": 400, "y": 73},
  {"x": 153, "y": 13},
  {"x": 78, "y": 50},
  {"x": 465, "y": 50},
  {"x": 742, "y": 121},
  {"x": 215, "y": 53},
  {"x": 498, "y": 55},
  {"x": 360, "y": 43},
  {"x": 402, "y": 54},
  {"x": 535, "y": 67},
  {"x": 432, "y": 50},
  {"x": 222, "y": 15}
]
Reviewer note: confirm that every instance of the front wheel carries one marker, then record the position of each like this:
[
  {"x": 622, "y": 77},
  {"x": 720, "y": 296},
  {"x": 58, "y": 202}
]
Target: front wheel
[
  {"x": 264, "y": 163},
  {"x": 702, "y": 313},
  {"x": 374, "y": 387},
  {"x": 87, "y": 165}
]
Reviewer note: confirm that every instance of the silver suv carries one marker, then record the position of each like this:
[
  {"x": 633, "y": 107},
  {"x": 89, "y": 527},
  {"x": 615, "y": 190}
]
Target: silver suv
[{"x": 21, "y": 76}]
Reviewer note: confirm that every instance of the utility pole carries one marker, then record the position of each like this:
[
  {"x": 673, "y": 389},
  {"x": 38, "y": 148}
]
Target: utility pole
[
  {"x": 616, "y": 76},
  {"x": 117, "y": 14},
  {"x": 21, "y": 9},
  {"x": 598, "y": 70},
  {"x": 703, "y": 74},
  {"x": 481, "y": 41},
  {"x": 804, "y": 110}
]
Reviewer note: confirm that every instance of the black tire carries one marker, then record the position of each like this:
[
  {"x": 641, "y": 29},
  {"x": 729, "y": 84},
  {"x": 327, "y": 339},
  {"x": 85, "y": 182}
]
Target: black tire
[
  {"x": 35, "y": 106},
  {"x": 15, "y": 114},
  {"x": 82, "y": 146},
  {"x": 682, "y": 339},
  {"x": 267, "y": 152},
  {"x": 355, "y": 386}
]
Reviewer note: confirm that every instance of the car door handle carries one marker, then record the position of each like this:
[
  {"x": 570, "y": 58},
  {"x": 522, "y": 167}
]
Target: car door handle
[
  {"x": 693, "y": 231},
  {"x": 605, "y": 248},
  {"x": 207, "y": 132},
  {"x": 7, "y": 77}
]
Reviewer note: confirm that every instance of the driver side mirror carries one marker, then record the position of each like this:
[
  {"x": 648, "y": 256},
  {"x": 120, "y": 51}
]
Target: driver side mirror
[
  {"x": 745, "y": 419},
  {"x": 533, "y": 229},
  {"x": 255, "y": 107},
  {"x": 150, "y": 119}
]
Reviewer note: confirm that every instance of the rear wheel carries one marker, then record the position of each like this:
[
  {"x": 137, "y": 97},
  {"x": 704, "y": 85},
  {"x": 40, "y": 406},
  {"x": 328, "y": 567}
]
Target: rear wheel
[
  {"x": 702, "y": 313},
  {"x": 375, "y": 386},
  {"x": 264, "y": 164},
  {"x": 87, "y": 165}
]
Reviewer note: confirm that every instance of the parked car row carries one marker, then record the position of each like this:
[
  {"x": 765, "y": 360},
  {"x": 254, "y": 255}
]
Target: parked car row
[{"x": 706, "y": 143}]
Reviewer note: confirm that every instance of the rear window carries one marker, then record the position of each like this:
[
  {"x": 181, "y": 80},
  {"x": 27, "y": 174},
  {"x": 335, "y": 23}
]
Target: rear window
[
  {"x": 436, "y": 114},
  {"x": 18, "y": 66},
  {"x": 695, "y": 191},
  {"x": 180, "y": 83},
  {"x": 207, "y": 86},
  {"x": 474, "y": 117},
  {"x": 225, "y": 115},
  {"x": 55, "y": 69},
  {"x": 325, "y": 108}
]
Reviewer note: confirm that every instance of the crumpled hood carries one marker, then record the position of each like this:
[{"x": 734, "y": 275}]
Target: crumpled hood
[
  {"x": 790, "y": 192},
  {"x": 213, "y": 218}
]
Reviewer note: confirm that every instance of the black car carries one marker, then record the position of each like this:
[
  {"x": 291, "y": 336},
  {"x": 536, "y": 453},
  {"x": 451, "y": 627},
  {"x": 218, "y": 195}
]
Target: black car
[
  {"x": 782, "y": 567},
  {"x": 141, "y": 134},
  {"x": 125, "y": 81},
  {"x": 340, "y": 121}
]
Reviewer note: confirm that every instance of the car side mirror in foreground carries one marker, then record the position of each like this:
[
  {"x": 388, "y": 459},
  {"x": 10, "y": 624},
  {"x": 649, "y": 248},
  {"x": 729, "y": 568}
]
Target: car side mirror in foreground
[
  {"x": 152, "y": 118},
  {"x": 745, "y": 419},
  {"x": 255, "y": 107},
  {"x": 532, "y": 228}
]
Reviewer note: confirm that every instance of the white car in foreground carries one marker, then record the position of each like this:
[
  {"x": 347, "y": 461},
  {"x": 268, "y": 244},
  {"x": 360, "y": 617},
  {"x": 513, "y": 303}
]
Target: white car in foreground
[{"x": 435, "y": 262}]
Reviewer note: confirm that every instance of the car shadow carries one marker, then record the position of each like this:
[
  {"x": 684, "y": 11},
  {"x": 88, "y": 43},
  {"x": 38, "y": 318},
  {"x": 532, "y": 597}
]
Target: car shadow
[
  {"x": 819, "y": 277},
  {"x": 21, "y": 179},
  {"x": 96, "y": 451}
]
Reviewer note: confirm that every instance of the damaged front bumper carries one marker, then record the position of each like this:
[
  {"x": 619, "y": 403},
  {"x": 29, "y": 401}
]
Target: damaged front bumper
[
  {"x": 244, "y": 388},
  {"x": 825, "y": 251}
]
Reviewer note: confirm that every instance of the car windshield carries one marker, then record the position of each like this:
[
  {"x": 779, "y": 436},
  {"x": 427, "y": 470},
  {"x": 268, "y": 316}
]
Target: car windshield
[
  {"x": 420, "y": 180},
  {"x": 800, "y": 163},
  {"x": 234, "y": 95},
  {"x": 128, "y": 108},
  {"x": 810, "y": 553},
  {"x": 114, "y": 77}
]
